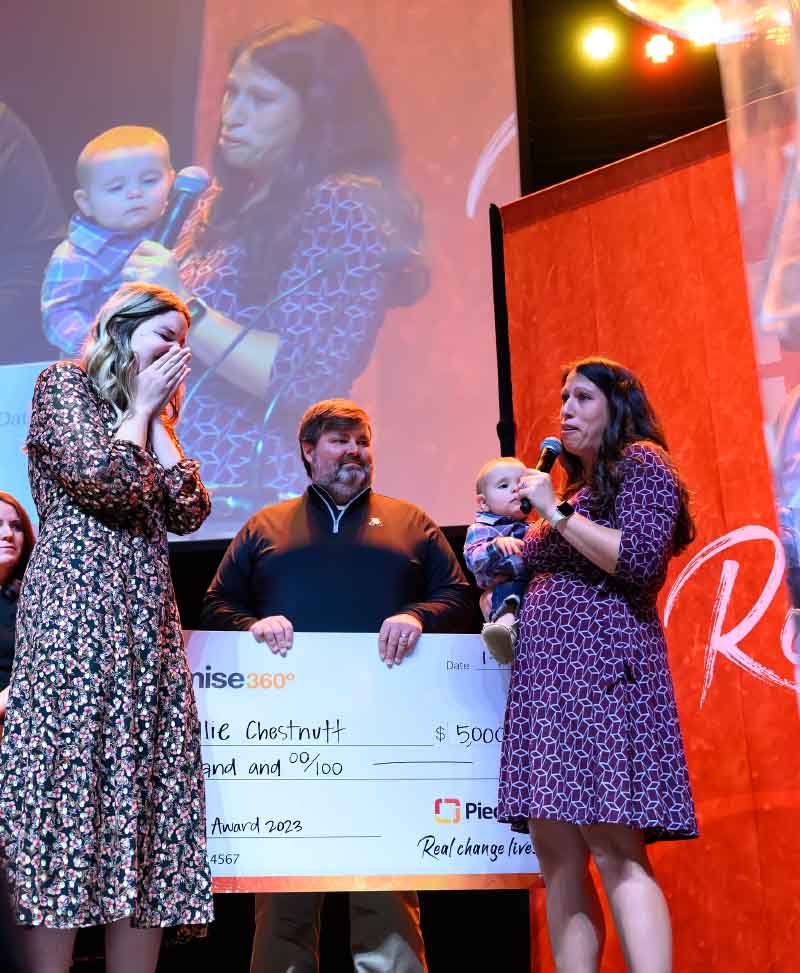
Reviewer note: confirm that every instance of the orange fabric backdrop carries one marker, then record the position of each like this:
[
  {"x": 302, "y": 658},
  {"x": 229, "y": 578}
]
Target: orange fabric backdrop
[{"x": 641, "y": 261}]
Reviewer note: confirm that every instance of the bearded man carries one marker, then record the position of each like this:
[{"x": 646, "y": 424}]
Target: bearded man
[{"x": 340, "y": 558}]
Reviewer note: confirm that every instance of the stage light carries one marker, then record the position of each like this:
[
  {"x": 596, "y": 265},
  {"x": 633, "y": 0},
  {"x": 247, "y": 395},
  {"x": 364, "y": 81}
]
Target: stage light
[
  {"x": 705, "y": 27},
  {"x": 599, "y": 43},
  {"x": 706, "y": 22},
  {"x": 659, "y": 48}
]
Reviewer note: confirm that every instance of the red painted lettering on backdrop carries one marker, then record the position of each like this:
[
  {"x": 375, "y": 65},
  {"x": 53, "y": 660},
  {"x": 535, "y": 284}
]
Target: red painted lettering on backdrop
[{"x": 727, "y": 643}]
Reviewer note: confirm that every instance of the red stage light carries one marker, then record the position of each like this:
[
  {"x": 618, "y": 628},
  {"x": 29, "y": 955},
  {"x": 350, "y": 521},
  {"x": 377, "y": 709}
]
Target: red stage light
[{"x": 659, "y": 48}]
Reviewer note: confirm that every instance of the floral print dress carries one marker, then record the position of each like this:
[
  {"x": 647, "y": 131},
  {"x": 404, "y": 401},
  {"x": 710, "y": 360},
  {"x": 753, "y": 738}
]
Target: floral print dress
[{"x": 101, "y": 791}]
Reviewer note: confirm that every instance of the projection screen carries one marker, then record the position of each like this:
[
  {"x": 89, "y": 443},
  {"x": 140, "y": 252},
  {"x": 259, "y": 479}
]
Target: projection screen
[{"x": 358, "y": 267}]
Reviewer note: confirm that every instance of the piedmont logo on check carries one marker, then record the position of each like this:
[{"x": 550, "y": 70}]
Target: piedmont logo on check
[{"x": 447, "y": 810}]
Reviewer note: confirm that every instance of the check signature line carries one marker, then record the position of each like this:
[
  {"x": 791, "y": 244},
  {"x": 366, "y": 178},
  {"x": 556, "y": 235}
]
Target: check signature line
[
  {"x": 342, "y": 780},
  {"x": 392, "y": 763},
  {"x": 285, "y": 837}
]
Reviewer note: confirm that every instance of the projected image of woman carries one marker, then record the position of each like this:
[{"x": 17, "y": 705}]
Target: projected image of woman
[
  {"x": 593, "y": 761},
  {"x": 102, "y": 816},
  {"x": 307, "y": 238}
]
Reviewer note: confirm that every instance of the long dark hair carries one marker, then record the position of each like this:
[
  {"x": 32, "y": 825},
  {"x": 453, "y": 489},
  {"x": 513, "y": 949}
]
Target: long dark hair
[
  {"x": 631, "y": 419},
  {"x": 346, "y": 129},
  {"x": 27, "y": 533}
]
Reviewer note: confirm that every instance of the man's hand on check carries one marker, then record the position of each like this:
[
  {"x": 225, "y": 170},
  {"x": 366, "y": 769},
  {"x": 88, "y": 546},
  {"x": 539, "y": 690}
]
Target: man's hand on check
[
  {"x": 397, "y": 638},
  {"x": 276, "y": 630}
]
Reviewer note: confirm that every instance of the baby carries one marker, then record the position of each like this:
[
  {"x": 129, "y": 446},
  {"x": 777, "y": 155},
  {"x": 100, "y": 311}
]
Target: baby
[
  {"x": 124, "y": 178},
  {"x": 493, "y": 551}
]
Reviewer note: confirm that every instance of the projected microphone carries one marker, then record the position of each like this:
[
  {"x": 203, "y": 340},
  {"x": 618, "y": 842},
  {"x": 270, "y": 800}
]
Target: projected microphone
[
  {"x": 189, "y": 185},
  {"x": 549, "y": 450}
]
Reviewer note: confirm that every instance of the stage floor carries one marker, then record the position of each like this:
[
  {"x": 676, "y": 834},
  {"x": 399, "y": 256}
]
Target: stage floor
[{"x": 464, "y": 931}]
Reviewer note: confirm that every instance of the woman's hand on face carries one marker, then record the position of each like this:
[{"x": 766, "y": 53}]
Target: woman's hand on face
[
  {"x": 155, "y": 385},
  {"x": 538, "y": 488},
  {"x": 154, "y": 264}
]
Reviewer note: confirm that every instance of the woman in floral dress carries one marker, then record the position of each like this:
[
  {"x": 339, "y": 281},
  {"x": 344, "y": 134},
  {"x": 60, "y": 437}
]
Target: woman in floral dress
[{"x": 102, "y": 817}]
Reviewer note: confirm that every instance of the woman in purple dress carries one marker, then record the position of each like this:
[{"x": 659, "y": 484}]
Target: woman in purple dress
[
  {"x": 593, "y": 761},
  {"x": 293, "y": 257}
]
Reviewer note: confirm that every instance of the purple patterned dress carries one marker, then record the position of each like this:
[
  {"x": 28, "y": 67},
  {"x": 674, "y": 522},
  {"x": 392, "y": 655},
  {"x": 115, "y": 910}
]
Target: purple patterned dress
[
  {"x": 591, "y": 728},
  {"x": 102, "y": 807},
  {"x": 326, "y": 307}
]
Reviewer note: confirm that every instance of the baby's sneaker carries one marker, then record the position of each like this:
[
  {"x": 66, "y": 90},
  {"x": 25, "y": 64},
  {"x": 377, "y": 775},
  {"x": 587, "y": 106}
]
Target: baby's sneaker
[{"x": 499, "y": 639}]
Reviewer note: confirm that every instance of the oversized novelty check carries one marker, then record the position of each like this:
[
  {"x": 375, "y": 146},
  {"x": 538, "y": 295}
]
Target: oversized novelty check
[{"x": 327, "y": 770}]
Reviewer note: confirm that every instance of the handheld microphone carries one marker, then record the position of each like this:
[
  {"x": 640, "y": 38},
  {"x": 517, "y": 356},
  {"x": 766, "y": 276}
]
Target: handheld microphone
[
  {"x": 189, "y": 185},
  {"x": 549, "y": 451}
]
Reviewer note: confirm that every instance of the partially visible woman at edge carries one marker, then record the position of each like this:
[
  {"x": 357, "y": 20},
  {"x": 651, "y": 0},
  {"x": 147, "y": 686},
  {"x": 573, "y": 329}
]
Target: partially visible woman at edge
[
  {"x": 593, "y": 761},
  {"x": 16, "y": 544},
  {"x": 102, "y": 817},
  {"x": 293, "y": 258}
]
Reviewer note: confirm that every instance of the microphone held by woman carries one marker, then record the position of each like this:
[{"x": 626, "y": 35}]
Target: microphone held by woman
[{"x": 549, "y": 451}]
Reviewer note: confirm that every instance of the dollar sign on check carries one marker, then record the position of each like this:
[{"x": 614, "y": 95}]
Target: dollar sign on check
[{"x": 441, "y": 734}]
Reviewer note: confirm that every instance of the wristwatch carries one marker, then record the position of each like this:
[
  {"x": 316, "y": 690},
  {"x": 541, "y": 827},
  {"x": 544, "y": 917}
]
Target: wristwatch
[
  {"x": 197, "y": 307},
  {"x": 562, "y": 511}
]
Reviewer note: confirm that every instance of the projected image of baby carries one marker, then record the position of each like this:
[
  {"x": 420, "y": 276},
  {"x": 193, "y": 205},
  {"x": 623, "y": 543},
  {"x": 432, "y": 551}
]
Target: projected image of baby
[
  {"x": 124, "y": 177},
  {"x": 293, "y": 257}
]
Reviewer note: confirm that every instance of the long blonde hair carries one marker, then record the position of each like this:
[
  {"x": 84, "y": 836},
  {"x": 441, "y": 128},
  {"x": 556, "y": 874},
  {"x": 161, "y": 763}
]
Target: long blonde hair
[{"x": 108, "y": 358}]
